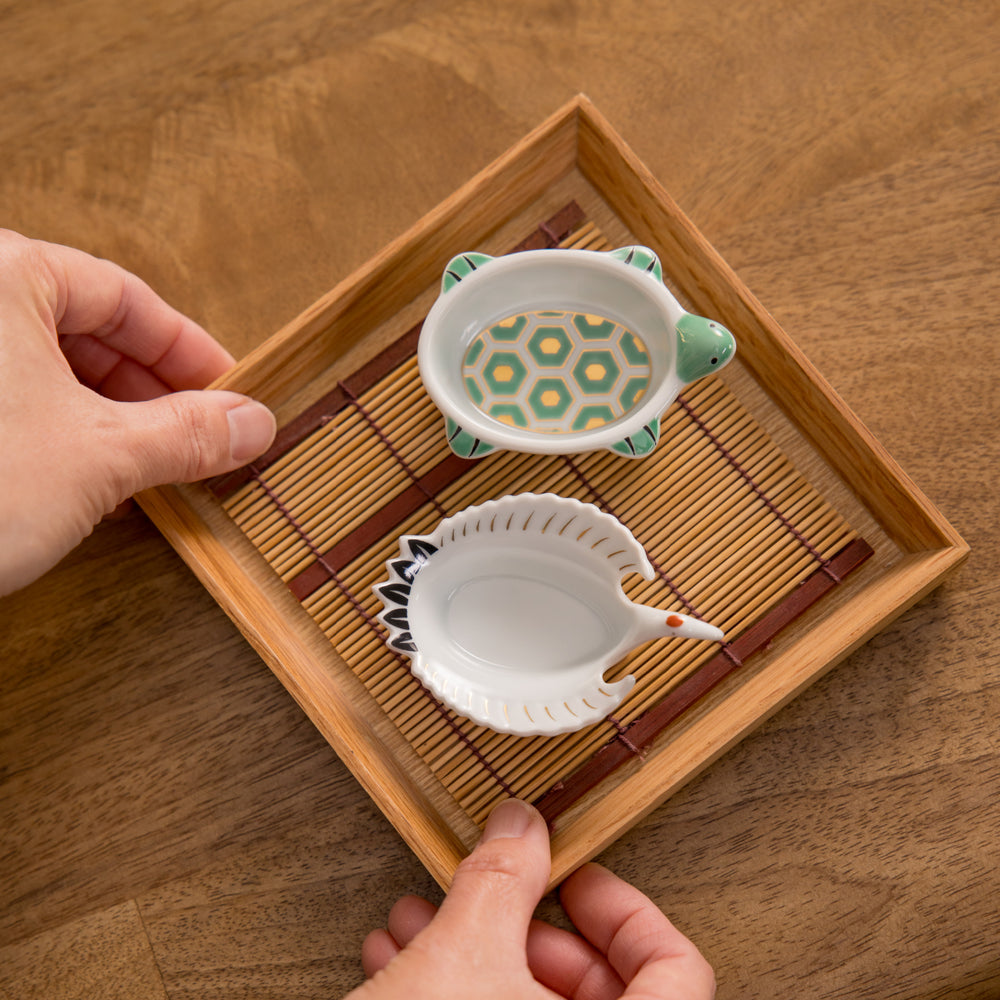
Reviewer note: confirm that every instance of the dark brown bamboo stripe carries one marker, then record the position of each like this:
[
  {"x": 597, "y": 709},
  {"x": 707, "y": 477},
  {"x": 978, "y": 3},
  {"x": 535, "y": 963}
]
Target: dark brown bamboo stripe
[
  {"x": 321, "y": 412},
  {"x": 395, "y": 512},
  {"x": 621, "y": 733},
  {"x": 645, "y": 729},
  {"x": 549, "y": 234},
  {"x": 378, "y": 630},
  {"x": 394, "y": 451},
  {"x": 451, "y": 469},
  {"x": 554, "y": 230},
  {"x": 422, "y": 491}
]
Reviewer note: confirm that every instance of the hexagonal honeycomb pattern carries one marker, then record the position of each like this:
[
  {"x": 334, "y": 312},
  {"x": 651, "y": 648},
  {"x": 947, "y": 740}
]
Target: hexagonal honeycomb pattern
[{"x": 556, "y": 372}]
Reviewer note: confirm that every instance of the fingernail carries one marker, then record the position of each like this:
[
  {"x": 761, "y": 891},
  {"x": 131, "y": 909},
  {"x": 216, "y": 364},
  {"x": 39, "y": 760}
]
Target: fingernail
[
  {"x": 509, "y": 819},
  {"x": 251, "y": 430}
]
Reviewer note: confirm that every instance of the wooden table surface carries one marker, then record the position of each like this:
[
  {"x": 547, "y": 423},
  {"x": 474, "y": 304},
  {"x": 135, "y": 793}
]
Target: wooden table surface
[{"x": 170, "y": 823}]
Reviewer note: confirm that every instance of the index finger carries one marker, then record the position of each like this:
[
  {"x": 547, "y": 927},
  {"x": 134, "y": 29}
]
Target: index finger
[
  {"x": 652, "y": 957},
  {"x": 125, "y": 319}
]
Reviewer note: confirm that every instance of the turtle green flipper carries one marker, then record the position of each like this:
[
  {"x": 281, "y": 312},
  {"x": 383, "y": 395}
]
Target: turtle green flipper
[
  {"x": 641, "y": 257},
  {"x": 642, "y": 442},
  {"x": 460, "y": 267},
  {"x": 464, "y": 444},
  {"x": 703, "y": 347}
]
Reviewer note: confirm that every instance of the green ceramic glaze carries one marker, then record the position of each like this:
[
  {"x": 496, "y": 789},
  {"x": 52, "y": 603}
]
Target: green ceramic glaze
[
  {"x": 703, "y": 346},
  {"x": 540, "y": 374},
  {"x": 642, "y": 258},
  {"x": 460, "y": 267},
  {"x": 464, "y": 444},
  {"x": 556, "y": 372}
]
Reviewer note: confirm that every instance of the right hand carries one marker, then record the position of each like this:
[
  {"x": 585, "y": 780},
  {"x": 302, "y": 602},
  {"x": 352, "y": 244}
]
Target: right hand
[{"x": 483, "y": 943}]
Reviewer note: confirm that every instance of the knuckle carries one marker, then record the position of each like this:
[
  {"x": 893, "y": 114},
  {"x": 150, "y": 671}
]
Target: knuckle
[
  {"x": 16, "y": 251},
  {"x": 196, "y": 440},
  {"x": 496, "y": 864}
]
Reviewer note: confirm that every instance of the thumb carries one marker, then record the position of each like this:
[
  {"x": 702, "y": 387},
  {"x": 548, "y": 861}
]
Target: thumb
[
  {"x": 497, "y": 887},
  {"x": 185, "y": 436}
]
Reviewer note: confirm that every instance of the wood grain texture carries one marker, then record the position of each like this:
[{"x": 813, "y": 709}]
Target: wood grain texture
[{"x": 169, "y": 817}]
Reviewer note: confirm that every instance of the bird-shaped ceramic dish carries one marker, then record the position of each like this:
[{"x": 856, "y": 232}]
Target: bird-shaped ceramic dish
[
  {"x": 512, "y": 611},
  {"x": 561, "y": 351}
]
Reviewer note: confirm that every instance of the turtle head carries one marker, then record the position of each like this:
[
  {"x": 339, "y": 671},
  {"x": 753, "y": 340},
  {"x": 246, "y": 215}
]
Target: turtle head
[{"x": 703, "y": 347}]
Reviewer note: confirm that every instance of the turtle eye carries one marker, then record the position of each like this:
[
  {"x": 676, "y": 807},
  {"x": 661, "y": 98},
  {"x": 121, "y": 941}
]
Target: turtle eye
[{"x": 715, "y": 361}]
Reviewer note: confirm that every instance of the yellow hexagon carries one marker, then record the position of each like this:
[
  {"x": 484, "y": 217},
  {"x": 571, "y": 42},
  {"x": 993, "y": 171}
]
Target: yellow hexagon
[
  {"x": 550, "y": 345},
  {"x": 503, "y": 373},
  {"x": 550, "y": 398},
  {"x": 595, "y": 372}
]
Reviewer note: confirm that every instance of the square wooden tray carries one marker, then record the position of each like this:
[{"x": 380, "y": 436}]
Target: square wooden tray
[{"x": 834, "y": 540}]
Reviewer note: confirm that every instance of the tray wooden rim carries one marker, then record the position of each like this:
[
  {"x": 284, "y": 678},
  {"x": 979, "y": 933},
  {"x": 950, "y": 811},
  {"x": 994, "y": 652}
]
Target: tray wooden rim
[{"x": 576, "y": 137}]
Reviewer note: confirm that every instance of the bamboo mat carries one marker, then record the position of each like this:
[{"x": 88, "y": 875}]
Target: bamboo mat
[{"x": 735, "y": 534}]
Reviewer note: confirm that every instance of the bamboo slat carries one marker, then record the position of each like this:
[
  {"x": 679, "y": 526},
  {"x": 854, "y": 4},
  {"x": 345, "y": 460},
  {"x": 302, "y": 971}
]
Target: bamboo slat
[
  {"x": 728, "y": 521},
  {"x": 746, "y": 531}
]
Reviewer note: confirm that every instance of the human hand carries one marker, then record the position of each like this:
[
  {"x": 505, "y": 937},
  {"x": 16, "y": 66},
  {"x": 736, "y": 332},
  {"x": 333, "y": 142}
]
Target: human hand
[
  {"x": 96, "y": 401},
  {"x": 483, "y": 943}
]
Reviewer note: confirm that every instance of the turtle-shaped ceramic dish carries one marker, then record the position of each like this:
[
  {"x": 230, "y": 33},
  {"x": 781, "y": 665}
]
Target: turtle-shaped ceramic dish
[
  {"x": 561, "y": 351},
  {"x": 512, "y": 611}
]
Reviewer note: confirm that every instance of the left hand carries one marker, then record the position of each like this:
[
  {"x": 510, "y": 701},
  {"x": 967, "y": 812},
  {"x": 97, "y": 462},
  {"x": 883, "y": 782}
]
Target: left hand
[{"x": 98, "y": 400}]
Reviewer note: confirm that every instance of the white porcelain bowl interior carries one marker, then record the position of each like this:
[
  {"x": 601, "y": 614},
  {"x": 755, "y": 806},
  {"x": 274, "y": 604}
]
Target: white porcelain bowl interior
[
  {"x": 511, "y": 612},
  {"x": 625, "y": 287}
]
